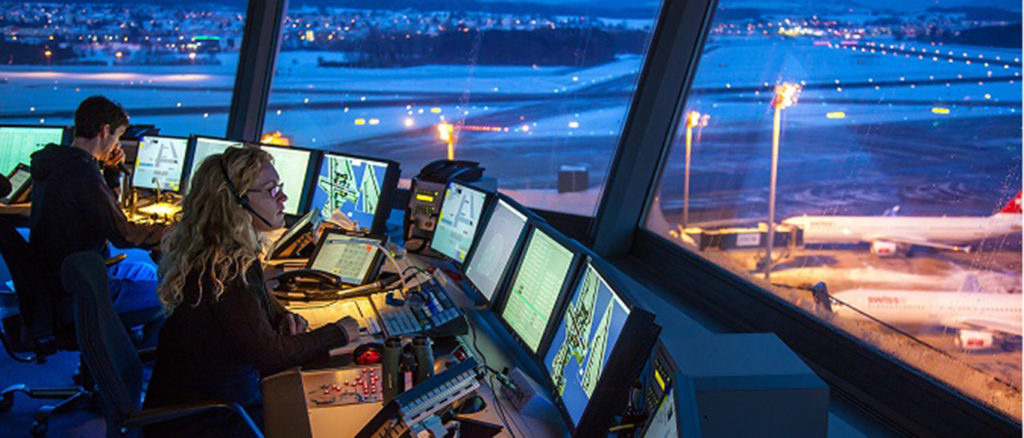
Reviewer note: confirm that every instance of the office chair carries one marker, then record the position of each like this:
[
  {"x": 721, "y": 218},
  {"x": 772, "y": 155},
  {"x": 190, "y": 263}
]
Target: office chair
[
  {"x": 111, "y": 358},
  {"x": 37, "y": 332}
]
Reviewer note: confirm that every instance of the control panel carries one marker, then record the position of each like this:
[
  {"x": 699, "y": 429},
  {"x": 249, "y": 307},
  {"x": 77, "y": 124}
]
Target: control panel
[{"x": 343, "y": 386}]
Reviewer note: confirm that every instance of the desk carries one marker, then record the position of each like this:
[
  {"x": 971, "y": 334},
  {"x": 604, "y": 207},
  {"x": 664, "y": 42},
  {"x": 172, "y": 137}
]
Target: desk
[{"x": 285, "y": 404}]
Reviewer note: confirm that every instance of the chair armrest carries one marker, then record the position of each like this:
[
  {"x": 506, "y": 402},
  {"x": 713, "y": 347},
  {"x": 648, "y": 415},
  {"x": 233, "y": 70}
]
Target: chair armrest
[
  {"x": 147, "y": 354},
  {"x": 115, "y": 260},
  {"x": 159, "y": 415}
]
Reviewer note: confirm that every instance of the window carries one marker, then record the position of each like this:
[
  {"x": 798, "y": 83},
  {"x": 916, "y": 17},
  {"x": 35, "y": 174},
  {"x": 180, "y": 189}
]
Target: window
[
  {"x": 536, "y": 93},
  {"x": 898, "y": 139},
  {"x": 170, "y": 64}
]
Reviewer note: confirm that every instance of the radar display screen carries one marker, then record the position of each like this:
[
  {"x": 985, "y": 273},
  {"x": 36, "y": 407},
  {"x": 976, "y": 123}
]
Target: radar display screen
[
  {"x": 538, "y": 283},
  {"x": 17, "y": 143},
  {"x": 460, "y": 214},
  {"x": 159, "y": 163},
  {"x": 351, "y": 185},
  {"x": 584, "y": 340},
  {"x": 209, "y": 146},
  {"x": 292, "y": 166},
  {"x": 494, "y": 250}
]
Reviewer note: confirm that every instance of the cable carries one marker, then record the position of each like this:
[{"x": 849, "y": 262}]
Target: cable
[{"x": 405, "y": 287}]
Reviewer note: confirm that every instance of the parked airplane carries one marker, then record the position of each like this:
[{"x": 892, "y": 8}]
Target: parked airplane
[
  {"x": 894, "y": 235},
  {"x": 981, "y": 319}
]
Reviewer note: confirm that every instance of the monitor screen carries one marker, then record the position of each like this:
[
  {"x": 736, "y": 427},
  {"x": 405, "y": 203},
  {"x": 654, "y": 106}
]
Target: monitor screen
[
  {"x": 352, "y": 185},
  {"x": 460, "y": 214},
  {"x": 17, "y": 143},
  {"x": 159, "y": 162},
  {"x": 495, "y": 248},
  {"x": 538, "y": 282},
  {"x": 586, "y": 334},
  {"x": 292, "y": 166},
  {"x": 209, "y": 146},
  {"x": 349, "y": 257},
  {"x": 663, "y": 424}
]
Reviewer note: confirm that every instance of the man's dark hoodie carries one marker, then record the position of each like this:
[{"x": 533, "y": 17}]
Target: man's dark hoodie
[{"x": 74, "y": 210}]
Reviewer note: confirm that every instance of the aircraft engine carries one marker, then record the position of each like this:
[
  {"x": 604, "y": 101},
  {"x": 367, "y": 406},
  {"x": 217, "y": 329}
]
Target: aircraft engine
[
  {"x": 974, "y": 339},
  {"x": 885, "y": 249}
]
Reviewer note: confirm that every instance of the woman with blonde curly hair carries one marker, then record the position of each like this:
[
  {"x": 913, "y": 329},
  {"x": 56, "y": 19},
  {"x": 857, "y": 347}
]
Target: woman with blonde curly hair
[{"x": 224, "y": 331}]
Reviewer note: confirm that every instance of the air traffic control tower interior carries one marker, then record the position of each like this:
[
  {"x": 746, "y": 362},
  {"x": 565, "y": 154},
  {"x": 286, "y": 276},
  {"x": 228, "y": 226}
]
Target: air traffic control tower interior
[{"x": 666, "y": 218}]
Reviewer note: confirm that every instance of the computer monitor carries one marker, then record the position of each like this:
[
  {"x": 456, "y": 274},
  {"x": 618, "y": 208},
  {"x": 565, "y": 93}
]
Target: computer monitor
[
  {"x": 488, "y": 262},
  {"x": 292, "y": 166},
  {"x": 665, "y": 421},
  {"x": 537, "y": 288},
  {"x": 355, "y": 259},
  {"x": 201, "y": 147},
  {"x": 587, "y": 332},
  {"x": 457, "y": 224},
  {"x": 17, "y": 143},
  {"x": 160, "y": 163},
  {"x": 362, "y": 188}
]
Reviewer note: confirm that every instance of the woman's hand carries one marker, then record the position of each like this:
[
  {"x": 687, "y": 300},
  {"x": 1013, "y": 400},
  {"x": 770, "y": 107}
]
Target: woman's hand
[
  {"x": 350, "y": 326},
  {"x": 296, "y": 324}
]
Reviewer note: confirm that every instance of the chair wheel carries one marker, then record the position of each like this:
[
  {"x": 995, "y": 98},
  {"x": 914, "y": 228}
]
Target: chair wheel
[
  {"x": 6, "y": 402},
  {"x": 38, "y": 429}
]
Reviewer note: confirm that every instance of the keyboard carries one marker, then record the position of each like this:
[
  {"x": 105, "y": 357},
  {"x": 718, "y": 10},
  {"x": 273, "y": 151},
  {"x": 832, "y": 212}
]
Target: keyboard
[{"x": 430, "y": 312}]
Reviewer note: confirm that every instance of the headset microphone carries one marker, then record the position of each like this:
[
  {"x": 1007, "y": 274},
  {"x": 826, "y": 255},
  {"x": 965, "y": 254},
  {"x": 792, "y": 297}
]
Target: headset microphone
[{"x": 243, "y": 200}]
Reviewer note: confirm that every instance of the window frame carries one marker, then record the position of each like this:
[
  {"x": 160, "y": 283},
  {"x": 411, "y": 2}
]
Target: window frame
[{"x": 903, "y": 398}]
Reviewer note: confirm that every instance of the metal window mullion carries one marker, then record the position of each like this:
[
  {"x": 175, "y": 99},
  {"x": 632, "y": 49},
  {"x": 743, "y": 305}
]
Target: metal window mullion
[
  {"x": 256, "y": 59},
  {"x": 669, "y": 68}
]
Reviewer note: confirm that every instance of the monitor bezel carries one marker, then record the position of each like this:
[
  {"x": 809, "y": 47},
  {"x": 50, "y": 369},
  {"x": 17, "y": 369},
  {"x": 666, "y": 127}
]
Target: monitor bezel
[
  {"x": 67, "y": 134},
  {"x": 306, "y": 194},
  {"x": 506, "y": 271},
  {"x": 375, "y": 266},
  {"x": 388, "y": 188},
  {"x": 184, "y": 164},
  {"x": 505, "y": 292},
  {"x": 618, "y": 362},
  {"x": 190, "y": 156},
  {"x": 488, "y": 200}
]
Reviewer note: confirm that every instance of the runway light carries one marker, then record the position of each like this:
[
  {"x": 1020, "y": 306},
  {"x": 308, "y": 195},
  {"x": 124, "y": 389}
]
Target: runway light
[
  {"x": 988, "y": 96},
  {"x": 525, "y": 128},
  {"x": 574, "y": 124},
  {"x": 836, "y": 115},
  {"x": 360, "y": 122},
  {"x": 374, "y": 121},
  {"x": 938, "y": 110},
  {"x": 435, "y": 110},
  {"x": 408, "y": 122}
]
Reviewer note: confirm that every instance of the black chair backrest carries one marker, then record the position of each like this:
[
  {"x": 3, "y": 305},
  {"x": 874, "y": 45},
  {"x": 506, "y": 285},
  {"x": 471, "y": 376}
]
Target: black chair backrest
[
  {"x": 37, "y": 310},
  {"x": 107, "y": 351}
]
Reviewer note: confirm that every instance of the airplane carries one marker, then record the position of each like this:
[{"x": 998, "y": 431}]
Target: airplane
[
  {"x": 981, "y": 320},
  {"x": 894, "y": 235}
]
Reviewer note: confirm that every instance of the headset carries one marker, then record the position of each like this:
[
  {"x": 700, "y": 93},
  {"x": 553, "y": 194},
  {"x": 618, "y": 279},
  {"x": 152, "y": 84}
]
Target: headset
[{"x": 243, "y": 200}]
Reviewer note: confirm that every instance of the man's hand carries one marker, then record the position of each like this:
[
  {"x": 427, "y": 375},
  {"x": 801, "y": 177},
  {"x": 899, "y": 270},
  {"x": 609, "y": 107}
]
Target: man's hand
[{"x": 115, "y": 157}]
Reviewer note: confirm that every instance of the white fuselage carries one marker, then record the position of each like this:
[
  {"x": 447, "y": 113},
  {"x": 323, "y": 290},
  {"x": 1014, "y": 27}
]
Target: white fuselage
[
  {"x": 901, "y": 307},
  {"x": 854, "y": 229}
]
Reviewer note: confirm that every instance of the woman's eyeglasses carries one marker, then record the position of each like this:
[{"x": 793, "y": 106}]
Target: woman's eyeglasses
[{"x": 273, "y": 191}]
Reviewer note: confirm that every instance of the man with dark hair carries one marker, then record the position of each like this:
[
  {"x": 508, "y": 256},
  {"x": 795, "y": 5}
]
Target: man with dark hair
[{"x": 74, "y": 208}]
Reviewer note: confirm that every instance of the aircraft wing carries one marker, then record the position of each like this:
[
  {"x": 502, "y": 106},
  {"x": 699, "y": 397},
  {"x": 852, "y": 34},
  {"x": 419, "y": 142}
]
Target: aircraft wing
[
  {"x": 1004, "y": 326},
  {"x": 916, "y": 241}
]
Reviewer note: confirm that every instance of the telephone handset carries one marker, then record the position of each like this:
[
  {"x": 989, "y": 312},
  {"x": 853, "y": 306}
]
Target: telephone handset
[{"x": 308, "y": 279}]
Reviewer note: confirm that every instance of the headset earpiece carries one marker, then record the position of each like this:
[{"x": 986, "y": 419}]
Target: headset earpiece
[{"x": 242, "y": 199}]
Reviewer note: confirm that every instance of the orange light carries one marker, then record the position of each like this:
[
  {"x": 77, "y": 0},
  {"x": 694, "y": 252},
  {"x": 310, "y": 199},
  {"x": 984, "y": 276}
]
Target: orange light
[
  {"x": 692, "y": 119},
  {"x": 276, "y": 137}
]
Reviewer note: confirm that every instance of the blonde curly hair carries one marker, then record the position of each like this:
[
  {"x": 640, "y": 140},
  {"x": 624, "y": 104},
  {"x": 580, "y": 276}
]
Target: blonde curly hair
[{"x": 215, "y": 237}]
